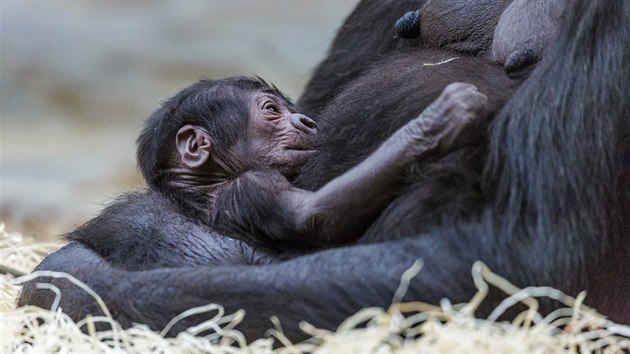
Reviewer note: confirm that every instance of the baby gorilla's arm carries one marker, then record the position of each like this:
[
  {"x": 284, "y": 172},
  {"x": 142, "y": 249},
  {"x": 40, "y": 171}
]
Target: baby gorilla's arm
[{"x": 342, "y": 209}]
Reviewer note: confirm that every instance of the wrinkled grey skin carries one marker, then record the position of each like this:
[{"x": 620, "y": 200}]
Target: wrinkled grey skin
[{"x": 525, "y": 30}]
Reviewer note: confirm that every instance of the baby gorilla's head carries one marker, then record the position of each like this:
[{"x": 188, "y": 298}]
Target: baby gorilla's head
[{"x": 216, "y": 129}]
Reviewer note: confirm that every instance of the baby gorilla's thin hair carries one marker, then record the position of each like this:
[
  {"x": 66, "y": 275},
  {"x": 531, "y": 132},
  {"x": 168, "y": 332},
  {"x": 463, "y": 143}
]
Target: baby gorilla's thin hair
[{"x": 220, "y": 106}]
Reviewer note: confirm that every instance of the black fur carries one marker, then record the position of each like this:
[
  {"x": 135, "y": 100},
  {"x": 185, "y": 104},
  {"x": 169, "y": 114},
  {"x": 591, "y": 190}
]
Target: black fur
[
  {"x": 465, "y": 26},
  {"x": 557, "y": 186},
  {"x": 365, "y": 36},
  {"x": 146, "y": 230},
  {"x": 218, "y": 105},
  {"x": 366, "y": 113}
]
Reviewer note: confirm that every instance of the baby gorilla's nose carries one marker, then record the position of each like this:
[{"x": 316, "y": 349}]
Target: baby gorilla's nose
[{"x": 303, "y": 123}]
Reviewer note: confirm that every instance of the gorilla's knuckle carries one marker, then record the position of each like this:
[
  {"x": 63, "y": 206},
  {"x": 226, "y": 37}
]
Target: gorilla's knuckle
[{"x": 455, "y": 94}]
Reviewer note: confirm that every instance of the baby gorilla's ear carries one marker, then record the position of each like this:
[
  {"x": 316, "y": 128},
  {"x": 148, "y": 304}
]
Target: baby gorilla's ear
[{"x": 193, "y": 145}]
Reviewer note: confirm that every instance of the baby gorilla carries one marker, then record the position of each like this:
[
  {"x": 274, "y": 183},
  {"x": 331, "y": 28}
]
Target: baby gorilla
[{"x": 226, "y": 150}]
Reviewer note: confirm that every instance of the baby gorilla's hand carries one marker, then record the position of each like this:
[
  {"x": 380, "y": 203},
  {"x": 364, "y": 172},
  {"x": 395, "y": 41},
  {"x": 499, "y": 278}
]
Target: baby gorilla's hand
[{"x": 449, "y": 122}]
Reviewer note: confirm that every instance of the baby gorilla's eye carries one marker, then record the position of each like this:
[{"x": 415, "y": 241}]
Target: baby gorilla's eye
[{"x": 271, "y": 107}]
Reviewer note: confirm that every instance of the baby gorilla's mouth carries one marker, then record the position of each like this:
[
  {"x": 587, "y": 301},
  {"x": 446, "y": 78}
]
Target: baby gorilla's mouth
[
  {"x": 299, "y": 148},
  {"x": 299, "y": 154},
  {"x": 300, "y": 145}
]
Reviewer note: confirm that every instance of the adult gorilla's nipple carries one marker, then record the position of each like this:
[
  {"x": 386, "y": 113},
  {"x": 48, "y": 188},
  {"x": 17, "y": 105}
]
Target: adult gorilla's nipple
[{"x": 408, "y": 26}]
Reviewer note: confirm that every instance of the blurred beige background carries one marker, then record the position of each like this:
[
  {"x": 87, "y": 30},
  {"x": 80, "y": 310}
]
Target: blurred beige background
[{"x": 77, "y": 78}]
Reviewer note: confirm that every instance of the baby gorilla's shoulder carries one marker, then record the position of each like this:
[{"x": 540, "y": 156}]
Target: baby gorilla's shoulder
[{"x": 261, "y": 179}]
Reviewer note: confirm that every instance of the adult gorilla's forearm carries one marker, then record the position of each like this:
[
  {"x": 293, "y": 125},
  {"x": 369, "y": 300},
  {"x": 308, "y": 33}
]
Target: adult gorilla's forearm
[{"x": 323, "y": 288}]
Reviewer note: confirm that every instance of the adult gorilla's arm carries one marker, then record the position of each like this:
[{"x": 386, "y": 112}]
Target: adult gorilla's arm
[{"x": 323, "y": 288}]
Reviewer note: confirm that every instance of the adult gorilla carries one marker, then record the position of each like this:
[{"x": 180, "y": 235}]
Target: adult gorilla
[
  {"x": 462, "y": 26},
  {"x": 389, "y": 78},
  {"x": 559, "y": 187},
  {"x": 467, "y": 27}
]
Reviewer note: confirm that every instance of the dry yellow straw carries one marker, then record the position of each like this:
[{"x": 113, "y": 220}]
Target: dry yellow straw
[{"x": 412, "y": 327}]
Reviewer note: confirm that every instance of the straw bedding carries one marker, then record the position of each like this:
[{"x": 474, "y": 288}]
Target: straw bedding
[{"x": 404, "y": 327}]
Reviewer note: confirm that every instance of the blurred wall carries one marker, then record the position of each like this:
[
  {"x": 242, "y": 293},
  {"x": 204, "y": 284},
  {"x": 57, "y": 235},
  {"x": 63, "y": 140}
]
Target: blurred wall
[{"x": 77, "y": 78}]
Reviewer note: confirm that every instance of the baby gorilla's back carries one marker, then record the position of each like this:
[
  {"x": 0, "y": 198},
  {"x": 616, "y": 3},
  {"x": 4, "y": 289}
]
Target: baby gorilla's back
[{"x": 145, "y": 230}]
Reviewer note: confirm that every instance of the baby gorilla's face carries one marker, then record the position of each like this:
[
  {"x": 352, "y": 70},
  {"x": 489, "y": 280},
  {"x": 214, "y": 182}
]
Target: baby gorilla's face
[{"x": 277, "y": 136}]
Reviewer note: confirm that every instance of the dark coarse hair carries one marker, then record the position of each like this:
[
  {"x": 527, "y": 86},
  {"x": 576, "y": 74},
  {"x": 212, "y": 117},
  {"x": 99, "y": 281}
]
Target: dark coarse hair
[
  {"x": 219, "y": 106},
  {"x": 560, "y": 157}
]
